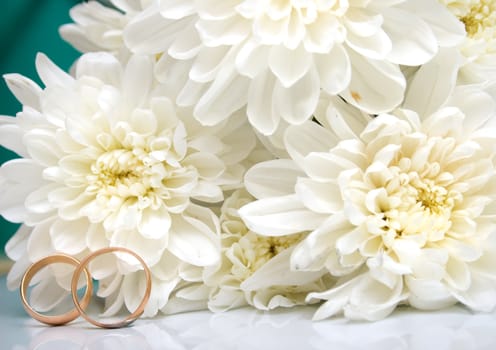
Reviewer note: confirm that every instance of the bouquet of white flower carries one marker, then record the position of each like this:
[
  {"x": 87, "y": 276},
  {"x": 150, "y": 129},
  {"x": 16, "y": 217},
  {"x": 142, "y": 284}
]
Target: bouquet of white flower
[{"x": 266, "y": 153}]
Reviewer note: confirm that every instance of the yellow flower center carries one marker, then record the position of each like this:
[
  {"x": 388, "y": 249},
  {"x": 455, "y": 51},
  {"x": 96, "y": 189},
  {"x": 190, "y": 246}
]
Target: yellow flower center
[
  {"x": 253, "y": 250},
  {"x": 118, "y": 172},
  {"x": 419, "y": 203},
  {"x": 433, "y": 198},
  {"x": 480, "y": 22},
  {"x": 265, "y": 248},
  {"x": 271, "y": 246},
  {"x": 121, "y": 177}
]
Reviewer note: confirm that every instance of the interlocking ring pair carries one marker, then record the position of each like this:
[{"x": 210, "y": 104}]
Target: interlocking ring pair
[{"x": 80, "y": 305}]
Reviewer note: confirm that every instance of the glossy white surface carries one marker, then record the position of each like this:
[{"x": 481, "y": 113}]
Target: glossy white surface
[{"x": 455, "y": 328}]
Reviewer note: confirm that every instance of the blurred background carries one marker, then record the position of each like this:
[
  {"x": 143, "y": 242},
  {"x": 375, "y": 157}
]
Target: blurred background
[{"x": 28, "y": 27}]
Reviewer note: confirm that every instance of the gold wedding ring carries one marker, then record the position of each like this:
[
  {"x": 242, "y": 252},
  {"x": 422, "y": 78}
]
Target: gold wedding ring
[
  {"x": 55, "y": 320},
  {"x": 80, "y": 306}
]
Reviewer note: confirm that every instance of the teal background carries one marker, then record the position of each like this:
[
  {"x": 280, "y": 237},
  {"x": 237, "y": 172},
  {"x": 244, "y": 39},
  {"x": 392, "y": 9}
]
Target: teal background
[{"x": 26, "y": 28}]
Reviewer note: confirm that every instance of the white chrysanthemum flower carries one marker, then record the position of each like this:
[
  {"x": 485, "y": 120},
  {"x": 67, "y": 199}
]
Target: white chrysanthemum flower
[
  {"x": 255, "y": 269},
  {"x": 275, "y": 57},
  {"x": 99, "y": 28},
  {"x": 401, "y": 207},
  {"x": 479, "y": 47},
  {"x": 108, "y": 161}
]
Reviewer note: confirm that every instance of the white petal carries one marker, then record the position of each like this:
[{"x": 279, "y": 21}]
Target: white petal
[
  {"x": 433, "y": 83},
  {"x": 208, "y": 62},
  {"x": 134, "y": 287},
  {"x": 226, "y": 299},
  {"x": 386, "y": 270},
  {"x": 154, "y": 222},
  {"x": 279, "y": 216},
  {"x": 448, "y": 29},
  {"x": 325, "y": 32},
  {"x": 261, "y": 111},
  {"x": 96, "y": 237},
  {"x": 209, "y": 166},
  {"x": 194, "y": 246},
  {"x": 458, "y": 274},
  {"x": 16, "y": 246},
  {"x": 177, "y": 305},
  {"x": 167, "y": 268},
  {"x": 379, "y": 299},
  {"x": 176, "y": 9},
  {"x": 289, "y": 66},
  {"x": 18, "y": 178},
  {"x": 113, "y": 304},
  {"x": 109, "y": 285},
  {"x": 137, "y": 80},
  {"x": 272, "y": 178},
  {"x": 150, "y": 250},
  {"x": 203, "y": 218},
  {"x": 72, "y": 210},
  {"x": 326, "y": 166},
  {"x": 11, "y": 136},
  {"x": 443, "y": 121},
  {"x": 478, "y": 106},
  {"x": 46, "y": 295},
  {"x": 50, "y": 74},
  {"x": 337, "y": 297},
  {"x": 226, "y": 31},
  {"x": 306, "y": 138},
  {"x": 226, "y": 94},
  {"x": 277, "y": 272},
  {"x": 16, "y": 272},
  {"x": 252, "y": 59},
  {"x": 428, "y": 294},
  {"x": 384, "y": 94},
  {"x": 240, "y": 136},
  {"x": 213, "y": 9},
  {"x": 25, "y": 90},
  {"x": 269, "y": 32},
  {"x": 77, "y": 37},
  {"x": 165, "y": 112},
  {"x": 144, "y": 122},
  {"x": 362, "y": 21},
  {"x": 101, "y": 65},
  {"x": 428, "y": 264},
  {"x": 42, "y": 148},
  {"x": 186, "y": 45},
  {"x": 191, "y": 92},
  {"x": 315, "y": 250},
  {"x": 296, "y": 104},
  {"x": 190, "y": 273},
  {"x": 150, "y": 33},
  {"x": 37, "y": 201},
  {"x": 463, "y": 250},
  {"x": 172, "y": 73},
  {"x": 319, "y": 197},
  {"x": 334, "y": 70},
  {"x": 480, "y": 297},
  {"x": 343, "y": 119},
  {"x": 69, "y": 236},
  {"x": 375, "y": 46},
  {"x": 414, "y": 42},
  {"x": 76, "y": 164},
  {"x": 39, "y": 243},
  {"x": 330, "y": 308},
  {"x": 194, "y": 292},
  {"x": 351, "y": 241},
  {"x": 207, "y": 192}
]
